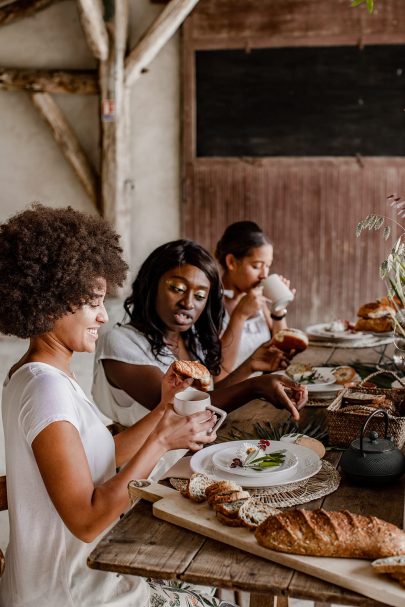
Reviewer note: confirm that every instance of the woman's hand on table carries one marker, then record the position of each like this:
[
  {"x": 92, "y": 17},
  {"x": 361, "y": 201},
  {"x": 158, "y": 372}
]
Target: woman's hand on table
[
  {"x": 284, "y": 393},
  {"x": 268, "y": 358},
  {"x": 186, "y": 431}
]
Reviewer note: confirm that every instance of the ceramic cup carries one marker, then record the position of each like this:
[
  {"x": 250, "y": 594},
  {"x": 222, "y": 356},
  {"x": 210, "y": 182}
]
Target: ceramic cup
[
  {"x": 277, "y": 291},
  {"x": 192, "y": 401}
]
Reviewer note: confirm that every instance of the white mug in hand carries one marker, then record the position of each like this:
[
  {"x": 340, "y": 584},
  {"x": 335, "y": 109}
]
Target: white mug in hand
[
  {"x": 275, "y": 289},
  {"x": 191, "y": 401}
]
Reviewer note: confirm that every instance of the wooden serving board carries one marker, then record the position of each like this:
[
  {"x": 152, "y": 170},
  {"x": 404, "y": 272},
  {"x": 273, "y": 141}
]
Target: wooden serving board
[{"x": 354, "y": 574}]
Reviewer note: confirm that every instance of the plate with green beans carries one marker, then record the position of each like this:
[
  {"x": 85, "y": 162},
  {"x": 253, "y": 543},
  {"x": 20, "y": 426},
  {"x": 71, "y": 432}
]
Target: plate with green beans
[{"x": 253, "y": 459}]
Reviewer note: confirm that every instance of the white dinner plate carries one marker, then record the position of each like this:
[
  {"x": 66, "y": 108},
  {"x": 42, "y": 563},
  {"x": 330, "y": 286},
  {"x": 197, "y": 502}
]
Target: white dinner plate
[
  {"x": 309, "y": 464},
  {"x": 320, "y": 331},
  {"x": 327, "y": 383},
  {"x": 222, "y": 459}
]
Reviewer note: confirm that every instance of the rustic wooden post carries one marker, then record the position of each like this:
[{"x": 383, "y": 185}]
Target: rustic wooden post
[
  {"x": 49, "y": 81},
  {"x": 116, "y": 185},
  {"x": 161, "y": 30},
  {"x": 91, "y": 17},
  {"x": 67, "y": 141}
]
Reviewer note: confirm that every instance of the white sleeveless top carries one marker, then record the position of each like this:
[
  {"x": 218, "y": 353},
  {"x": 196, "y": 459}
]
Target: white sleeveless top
[
  {"x": 255, "y": 332},
  {"x": 45, "y": 563}
]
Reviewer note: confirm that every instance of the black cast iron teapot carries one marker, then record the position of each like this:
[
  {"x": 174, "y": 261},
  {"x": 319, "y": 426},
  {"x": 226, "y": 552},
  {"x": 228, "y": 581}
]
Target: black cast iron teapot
[{"x": 373, "y": 460}]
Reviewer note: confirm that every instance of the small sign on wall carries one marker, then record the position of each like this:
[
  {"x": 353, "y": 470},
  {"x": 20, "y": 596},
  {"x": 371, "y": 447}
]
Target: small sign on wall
[{"x": 108, "y": 110}]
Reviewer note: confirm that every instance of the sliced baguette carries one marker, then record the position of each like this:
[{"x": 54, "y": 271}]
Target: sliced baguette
[
  {"x": 253, "y": 512},
  {"x": 197, "y": 485},
  {"x": 221, "y": 487},
  {"x": 229, "y": 509},
  {"x": 391, "y": 564},
  {"x": 227, "y": 520},
  {"x": 232, "y": 496}
]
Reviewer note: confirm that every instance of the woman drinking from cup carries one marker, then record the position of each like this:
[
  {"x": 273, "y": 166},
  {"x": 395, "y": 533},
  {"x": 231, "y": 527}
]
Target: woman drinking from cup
[
  {"x": 61, "y": 460},
  {"x": 175, "y": 312},
  {"x": 245, "y": 254}
]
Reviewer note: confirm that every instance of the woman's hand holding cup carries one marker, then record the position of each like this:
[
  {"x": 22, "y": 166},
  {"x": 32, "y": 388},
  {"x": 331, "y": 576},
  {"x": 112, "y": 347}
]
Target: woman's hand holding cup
[{"x": 186, "y": 431}]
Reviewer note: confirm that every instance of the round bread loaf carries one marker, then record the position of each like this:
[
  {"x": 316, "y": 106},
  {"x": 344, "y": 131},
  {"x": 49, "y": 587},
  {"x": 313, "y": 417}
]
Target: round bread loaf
[
  {"x": 291, "y": 341},
  {"x": 195, "y": 370}
]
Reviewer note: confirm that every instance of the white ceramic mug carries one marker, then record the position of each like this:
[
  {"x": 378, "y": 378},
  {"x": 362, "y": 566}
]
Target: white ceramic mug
[
  {"x": 277, "y": 291},
  {"x": 191, "y": 401}
]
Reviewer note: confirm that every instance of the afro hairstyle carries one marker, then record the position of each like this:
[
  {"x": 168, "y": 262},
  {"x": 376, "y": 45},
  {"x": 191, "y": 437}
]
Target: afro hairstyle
[{"x": 50, "y": 260}]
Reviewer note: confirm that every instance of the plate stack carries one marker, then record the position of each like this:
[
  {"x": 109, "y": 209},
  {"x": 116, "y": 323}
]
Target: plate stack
[{"x": 299, "y": 464}]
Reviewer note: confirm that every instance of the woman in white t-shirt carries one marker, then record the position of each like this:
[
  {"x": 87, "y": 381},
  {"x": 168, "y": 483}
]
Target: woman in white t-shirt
[
  {"x": 175, "y": 312},
  {"x": 245, "y": 254},
  {"x": 62, "y": 486}
]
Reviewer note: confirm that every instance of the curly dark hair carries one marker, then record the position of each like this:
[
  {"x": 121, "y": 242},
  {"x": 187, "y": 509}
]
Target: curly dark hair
[
  {"x": 49, "y": 262},
  {"x": 239, "y": 239},
  {"x": 141, "y": 304}
]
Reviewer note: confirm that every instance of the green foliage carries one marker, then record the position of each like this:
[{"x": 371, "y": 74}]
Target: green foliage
[{"x": 368, "y": 3}]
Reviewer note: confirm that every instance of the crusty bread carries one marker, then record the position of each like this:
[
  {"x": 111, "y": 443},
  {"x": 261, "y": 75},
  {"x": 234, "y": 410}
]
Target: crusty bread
[
  {"x": 227, "y": 520},
  {"x": 230, "y": 509},
  {"x": 231, "y": 496},
  {"x": 222, "y": 487},
  {"x": 344, "y": 375},
  {"x": 376, "y": 309},
  {"x": 197, "y": 485},
  {"x": 337, "y": 534},
  {"x": 394, "y": 566},
  {"x": 290, "y": 341},
  {"x": 195, "y": 370},
  {"x": 377, "y": 325},
  {"x": 253, "y": 512}
]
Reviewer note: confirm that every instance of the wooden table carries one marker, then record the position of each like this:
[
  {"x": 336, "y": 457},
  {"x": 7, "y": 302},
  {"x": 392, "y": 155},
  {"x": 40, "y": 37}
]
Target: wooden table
[{"x": 140, "y": 544}]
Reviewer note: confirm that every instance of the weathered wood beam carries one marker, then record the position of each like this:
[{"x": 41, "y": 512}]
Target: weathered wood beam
[
  {"x": 116, "y": 184},
  {"x": 22, "y": 8},
  {"x": 67, "y": 141},
  {"x": 49, "y": 81},
  {"x": 161, "y": 30},
  {"x": 95, "y": 31}
]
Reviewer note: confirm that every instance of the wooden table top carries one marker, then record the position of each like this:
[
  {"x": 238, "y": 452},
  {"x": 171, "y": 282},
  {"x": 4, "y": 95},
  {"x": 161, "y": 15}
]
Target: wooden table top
[{"x": 140, "y": 544}]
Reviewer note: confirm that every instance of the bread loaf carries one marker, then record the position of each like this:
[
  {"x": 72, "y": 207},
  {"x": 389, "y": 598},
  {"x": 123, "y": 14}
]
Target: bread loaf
[
  {"x": 377, "y": 325},
  {"x": 338, "y": 534},
  {"x": 290, "y": 341},
  {"x": 195, "y": 370}
]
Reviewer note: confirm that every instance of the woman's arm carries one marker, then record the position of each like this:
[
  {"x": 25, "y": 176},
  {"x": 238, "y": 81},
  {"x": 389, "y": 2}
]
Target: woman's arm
[
  {"x": 279, "y": 391},
  {"x": 87, "y": 509},
  {"x": 142, "y": 382}
]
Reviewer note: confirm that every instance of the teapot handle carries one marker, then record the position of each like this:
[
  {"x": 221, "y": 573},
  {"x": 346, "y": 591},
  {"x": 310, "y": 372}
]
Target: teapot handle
[{"x": 366, "y": 422}]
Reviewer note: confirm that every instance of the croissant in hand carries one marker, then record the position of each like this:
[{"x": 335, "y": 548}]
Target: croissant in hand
[{"x": 338, "y": 534}]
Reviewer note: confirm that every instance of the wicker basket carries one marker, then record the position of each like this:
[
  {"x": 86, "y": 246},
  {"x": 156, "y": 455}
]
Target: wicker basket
[{"x": 343, "y": 428}]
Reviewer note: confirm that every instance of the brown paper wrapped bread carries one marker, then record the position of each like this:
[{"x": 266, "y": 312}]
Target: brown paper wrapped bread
[
  {"x": 337, "y": 534},
  {"x": 195, "y": 370}
]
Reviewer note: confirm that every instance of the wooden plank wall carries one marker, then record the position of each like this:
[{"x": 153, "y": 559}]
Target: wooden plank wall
[{"x": 309, "y": 206}]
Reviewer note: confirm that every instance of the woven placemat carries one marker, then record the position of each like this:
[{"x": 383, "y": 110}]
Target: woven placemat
[
  {"x": 367, "y": 342},
  {"x": 324, "y": 482}
]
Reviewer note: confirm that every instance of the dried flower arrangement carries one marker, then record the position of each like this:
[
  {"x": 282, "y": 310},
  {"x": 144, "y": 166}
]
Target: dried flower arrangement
[{"x": 392, "y": 269}]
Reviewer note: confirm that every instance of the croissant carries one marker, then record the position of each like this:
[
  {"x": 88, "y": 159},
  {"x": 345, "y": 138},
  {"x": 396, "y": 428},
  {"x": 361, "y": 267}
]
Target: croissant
[
  {"x": 194, "y": 369},
  {"x": 339, "y": 534}
]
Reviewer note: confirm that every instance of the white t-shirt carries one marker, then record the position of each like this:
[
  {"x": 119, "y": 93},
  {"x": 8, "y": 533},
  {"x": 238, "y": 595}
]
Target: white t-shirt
[
  {"x": 255, "y": 332},
  {"x": 126, "y": 344},
  {"x": 45, "y": 563}
]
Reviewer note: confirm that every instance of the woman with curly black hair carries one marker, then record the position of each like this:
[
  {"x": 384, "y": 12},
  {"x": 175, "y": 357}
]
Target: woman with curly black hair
[
  {"x": 61, "y": 460},
  {"x": 175, "y": 313}
]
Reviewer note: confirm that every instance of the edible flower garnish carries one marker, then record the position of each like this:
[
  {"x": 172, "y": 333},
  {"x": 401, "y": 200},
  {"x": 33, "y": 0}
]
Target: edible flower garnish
[{"x": 251, "y": 456}]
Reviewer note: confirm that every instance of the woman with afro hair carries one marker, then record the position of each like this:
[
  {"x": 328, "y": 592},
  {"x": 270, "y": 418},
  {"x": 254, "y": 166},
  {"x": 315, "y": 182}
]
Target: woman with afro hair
[
  {"x": 175, "y": 311},
  {"x": 62, "y": 485}
]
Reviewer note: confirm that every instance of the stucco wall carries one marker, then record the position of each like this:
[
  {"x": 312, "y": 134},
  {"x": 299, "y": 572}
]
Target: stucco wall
[{"x": 31, "y": 165}]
